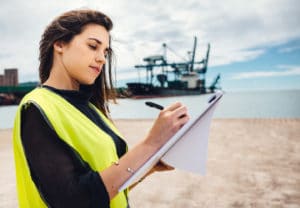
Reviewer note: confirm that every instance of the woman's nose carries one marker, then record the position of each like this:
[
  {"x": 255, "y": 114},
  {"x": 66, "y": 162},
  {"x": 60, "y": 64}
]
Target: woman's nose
[{"x": 100, "y": 57}]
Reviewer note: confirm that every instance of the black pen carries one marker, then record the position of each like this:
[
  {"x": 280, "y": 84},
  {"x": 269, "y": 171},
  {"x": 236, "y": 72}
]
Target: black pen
[{"x": 154, "y": 105}]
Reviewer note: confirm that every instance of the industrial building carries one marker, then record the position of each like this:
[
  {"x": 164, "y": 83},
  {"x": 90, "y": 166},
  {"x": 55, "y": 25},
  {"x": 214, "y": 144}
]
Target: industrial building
[{"x": 10, "y": 77}]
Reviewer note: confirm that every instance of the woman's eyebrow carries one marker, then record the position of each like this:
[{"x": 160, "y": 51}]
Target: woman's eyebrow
[
  {"x": 95, "y": 39},
  {"x": 98, "y": 41}
]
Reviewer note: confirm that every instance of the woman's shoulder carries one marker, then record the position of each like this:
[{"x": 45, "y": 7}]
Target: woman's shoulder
[{"x": 39, "y": 95}]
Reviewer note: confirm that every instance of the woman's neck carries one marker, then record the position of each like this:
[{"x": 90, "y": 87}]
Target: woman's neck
[{"x": 59, "y": 79}]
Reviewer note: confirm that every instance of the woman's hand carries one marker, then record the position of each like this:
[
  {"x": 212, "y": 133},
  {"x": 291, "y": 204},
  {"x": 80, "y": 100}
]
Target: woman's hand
[
  {"x": 169, "y": 121},
  {"x": 160, "y": 166}
]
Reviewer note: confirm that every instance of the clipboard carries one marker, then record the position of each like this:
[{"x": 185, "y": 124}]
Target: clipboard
[{"x": 187, "y": 149}]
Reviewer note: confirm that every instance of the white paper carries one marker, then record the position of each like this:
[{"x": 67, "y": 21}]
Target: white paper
[
  {"x": 190, "y": 152},
  {"x": 187, "y": 149}
]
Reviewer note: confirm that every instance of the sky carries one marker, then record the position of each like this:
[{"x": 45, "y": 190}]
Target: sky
[{"x": 255, "y": 45}]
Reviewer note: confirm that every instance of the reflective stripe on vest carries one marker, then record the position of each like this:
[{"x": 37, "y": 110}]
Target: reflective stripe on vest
[{"x": 97, "y": 148}]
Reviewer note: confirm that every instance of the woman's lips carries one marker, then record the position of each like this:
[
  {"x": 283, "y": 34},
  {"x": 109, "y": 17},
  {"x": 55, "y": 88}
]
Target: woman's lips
[{"x": 95, "y": 68}]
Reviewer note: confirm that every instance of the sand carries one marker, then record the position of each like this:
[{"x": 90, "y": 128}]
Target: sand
[{"x": 251, "y": 163}]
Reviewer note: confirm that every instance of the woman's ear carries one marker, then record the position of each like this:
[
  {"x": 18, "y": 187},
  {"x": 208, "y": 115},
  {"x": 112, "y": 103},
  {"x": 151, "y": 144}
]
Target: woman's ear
[{"x": 58, "y": 46}]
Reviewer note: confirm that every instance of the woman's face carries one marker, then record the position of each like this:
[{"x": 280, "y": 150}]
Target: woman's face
[{"x": 84, "y": 56}]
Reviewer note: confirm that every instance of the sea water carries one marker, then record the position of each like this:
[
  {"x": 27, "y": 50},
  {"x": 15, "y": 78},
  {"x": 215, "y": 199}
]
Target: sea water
[{"x": 257, "y": 104}]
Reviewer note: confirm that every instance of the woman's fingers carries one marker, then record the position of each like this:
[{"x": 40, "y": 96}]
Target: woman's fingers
[
  {"x": 180, "y": 112},
  {"x": 169, "y": 121},
  {"x": 175, "y": 110},
  {"x": 183, "y": 120},
  {"x": 173, "y": 107},
  {"x": 161, "y": 166}
]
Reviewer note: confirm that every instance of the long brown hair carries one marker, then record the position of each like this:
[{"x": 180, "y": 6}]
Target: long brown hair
[{"x": 64, "y": 28}]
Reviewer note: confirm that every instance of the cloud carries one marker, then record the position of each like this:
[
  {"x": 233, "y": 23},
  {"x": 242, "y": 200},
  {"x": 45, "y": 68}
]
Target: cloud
[
  {"x": 135, "y": 74},
  {"x": 237, "y": 30},
  {"x": 288, "y": 71},
  {"x": 132, "y": 75},
  {"x": 233, "y": 56},
  {"x": 289, "y": 49}
]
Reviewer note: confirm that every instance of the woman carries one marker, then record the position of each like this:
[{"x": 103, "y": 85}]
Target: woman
[{"x": 67, "y": 152}]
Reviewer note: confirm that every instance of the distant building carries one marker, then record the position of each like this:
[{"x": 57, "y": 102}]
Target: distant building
[
  {"x": 10, "y": 77},
  {"x": 1, "y": 80}
]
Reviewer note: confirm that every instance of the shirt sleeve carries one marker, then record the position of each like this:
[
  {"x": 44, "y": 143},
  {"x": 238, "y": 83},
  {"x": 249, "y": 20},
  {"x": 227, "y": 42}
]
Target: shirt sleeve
[{"x": 62, "y": 178}]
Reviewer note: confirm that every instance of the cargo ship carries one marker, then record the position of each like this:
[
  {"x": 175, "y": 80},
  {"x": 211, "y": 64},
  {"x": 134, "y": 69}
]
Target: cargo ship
[{"x": 188, "y": 77}]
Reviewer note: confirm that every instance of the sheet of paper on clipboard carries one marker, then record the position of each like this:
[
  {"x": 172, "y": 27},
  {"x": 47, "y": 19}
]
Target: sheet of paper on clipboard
[{"x": 187, "y": 149}]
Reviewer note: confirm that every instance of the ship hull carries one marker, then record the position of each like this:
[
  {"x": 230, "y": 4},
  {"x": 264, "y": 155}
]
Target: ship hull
[{"x": 142, "y": 90}]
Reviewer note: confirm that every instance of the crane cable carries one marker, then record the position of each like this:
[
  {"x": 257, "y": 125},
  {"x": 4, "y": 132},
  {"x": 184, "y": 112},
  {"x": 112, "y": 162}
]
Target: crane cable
[{"x": 176, "y": 53}]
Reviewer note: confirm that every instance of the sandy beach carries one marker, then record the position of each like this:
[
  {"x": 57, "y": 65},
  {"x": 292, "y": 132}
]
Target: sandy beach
[{"x": 251, "y": 163}]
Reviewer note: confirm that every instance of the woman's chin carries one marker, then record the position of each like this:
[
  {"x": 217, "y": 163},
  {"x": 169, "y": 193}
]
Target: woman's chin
[{"x": 87, "y": 81}]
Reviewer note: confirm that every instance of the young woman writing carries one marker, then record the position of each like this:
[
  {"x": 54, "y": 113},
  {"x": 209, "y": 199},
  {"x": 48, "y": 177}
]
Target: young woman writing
[{"x": 68, "y": 153}]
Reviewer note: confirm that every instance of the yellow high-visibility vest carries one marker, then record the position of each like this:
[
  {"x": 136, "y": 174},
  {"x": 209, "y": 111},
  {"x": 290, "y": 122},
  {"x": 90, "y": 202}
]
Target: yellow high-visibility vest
[{"x": 94, "y": 145}]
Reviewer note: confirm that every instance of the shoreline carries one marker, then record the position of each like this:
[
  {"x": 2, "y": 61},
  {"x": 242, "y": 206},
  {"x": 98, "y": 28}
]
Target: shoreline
[{"x": 251, "y": 163}]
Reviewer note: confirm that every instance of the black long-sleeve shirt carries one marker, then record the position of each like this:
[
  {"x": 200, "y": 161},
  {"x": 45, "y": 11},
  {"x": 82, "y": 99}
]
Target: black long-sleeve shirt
[{"x": 60, "y": 174}]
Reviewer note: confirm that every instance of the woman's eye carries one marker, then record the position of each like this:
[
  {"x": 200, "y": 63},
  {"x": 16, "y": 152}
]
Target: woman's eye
[{"x": 93, "y": 47}]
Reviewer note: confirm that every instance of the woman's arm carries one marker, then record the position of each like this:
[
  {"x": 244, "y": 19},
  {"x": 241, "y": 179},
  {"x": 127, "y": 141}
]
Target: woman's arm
[{"x": 169, "y": 121}]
